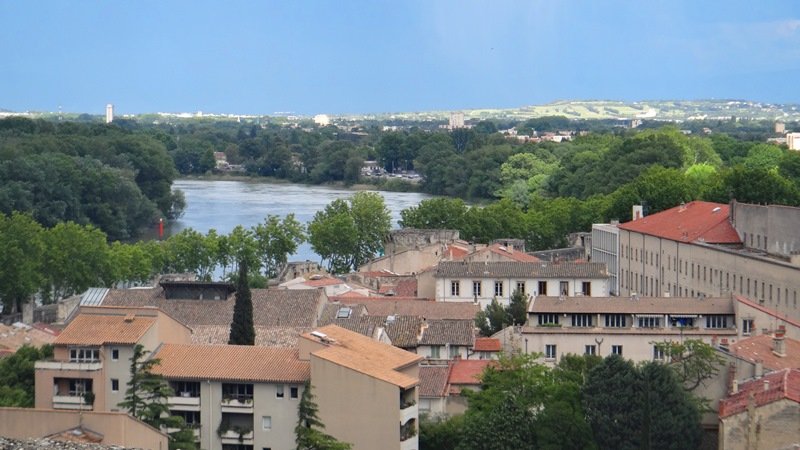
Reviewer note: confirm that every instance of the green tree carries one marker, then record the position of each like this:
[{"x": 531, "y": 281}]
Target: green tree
[
  {"x": 435, "y": 213},
  {"x": 17, "y": 375},
  {"x": 492, "y": 319},
  {"x": 440, "y": 433},
  {"x": 693, "y": 361},
  {"x": 75, "y": 258},
  {"x": 276, "y": 240},
  {"x": 518, "y": 308},
  {"x": 671, "y": 419},
  {"x": 612, "y": 401},
  {"x": 308, "y": 432},
  {"x": 146, "y": 399},
  {"x": 20, "y": 259},
  {"x": 242, "y": 330}
]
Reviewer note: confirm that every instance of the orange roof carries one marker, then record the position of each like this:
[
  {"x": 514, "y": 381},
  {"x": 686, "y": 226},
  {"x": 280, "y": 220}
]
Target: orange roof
[
  {"x": 755, "y": 305},
  {"x": 455, "y": 253},
  {"x": 322, "y": 282},
  {"x": 516, "y": 255},
  {"x": 231, "y": 363},
  {"x": 468, "y": 371},
  {"x": 487, "y": 345},
  {"x": 760, "y": 348},
  {"x": 783, "y": 384},
  {"x": 694, "y": 221},
  {"x": 364, "y": 355},
  {"x": 95, "y": 329}
]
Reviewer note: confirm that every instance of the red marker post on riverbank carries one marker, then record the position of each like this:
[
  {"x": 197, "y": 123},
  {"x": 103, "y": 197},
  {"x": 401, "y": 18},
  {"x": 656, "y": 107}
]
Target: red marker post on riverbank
[{"x": 161, "y": 228}]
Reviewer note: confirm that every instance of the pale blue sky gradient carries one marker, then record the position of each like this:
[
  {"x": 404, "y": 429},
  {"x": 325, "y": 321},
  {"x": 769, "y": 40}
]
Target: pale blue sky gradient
[{"x": 308, "y": 57}]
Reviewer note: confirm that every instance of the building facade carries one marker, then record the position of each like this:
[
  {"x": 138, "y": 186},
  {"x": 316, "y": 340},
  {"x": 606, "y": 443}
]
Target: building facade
[{"x": 605, "y": 249}]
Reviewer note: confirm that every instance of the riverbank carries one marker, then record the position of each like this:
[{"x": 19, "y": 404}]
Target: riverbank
[{"x": 390, "y": 185}]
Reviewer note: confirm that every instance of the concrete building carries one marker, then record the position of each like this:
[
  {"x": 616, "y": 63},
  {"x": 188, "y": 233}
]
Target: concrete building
[
  {"x": 793, "y": 141},
  {"x": 480, "y": 282},
  {"x": 780, "y": 127},
  {"x": 322, "y": 120},
  {"x": 456, "y": 120},
  {"x": 109, "y": 113},
  {"x": 712, "y": 249},
  {"x": 605, "y": 249},
  {"x": 366, "y": 391}
]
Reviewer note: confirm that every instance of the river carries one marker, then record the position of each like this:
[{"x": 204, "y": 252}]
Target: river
[{"x": 222, "y": 205}]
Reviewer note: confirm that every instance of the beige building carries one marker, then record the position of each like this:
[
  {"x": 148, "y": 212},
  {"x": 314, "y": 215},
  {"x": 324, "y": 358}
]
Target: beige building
[
  {"x": 91, "y": 357},
  {"x": 793, "y": 141},
  {"x": 480, "y": 282},
  {"x": 366, "y": 390},
  {"x": 709, "y": 249}
]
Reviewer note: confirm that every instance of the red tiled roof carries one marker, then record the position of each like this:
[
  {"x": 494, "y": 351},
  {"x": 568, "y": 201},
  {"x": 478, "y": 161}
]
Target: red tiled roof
[
  {"x": 487, "y": 345},
  {"x": 516, "y": 255},
  {"x": 468, "y": 371},
  {"x": 780, "y": 316},
  {"x": 389, "y": 306},
  {"x": 324, "y": 282},
  {"x": 406, "y": 288},
  {"x": 695, "y": 221},
  {"x": 456, "y": 253},
  {"x": 760, "y": 348},
  {"x": 433, "y": 381},
  {"x": 96, "y": 330},
  {"x": 783, "y": 384},
  {"x": 350, "y": 294}
]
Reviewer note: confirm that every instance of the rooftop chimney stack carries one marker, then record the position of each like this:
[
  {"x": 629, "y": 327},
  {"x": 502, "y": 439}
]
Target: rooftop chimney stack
[
  {"x": 638, "y": 212},
  {"x": 779, "y": 342}
]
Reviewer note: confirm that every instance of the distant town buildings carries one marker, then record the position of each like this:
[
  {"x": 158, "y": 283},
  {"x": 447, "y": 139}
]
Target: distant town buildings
[
  {"x": 322, "y": 120},
  {"x": 780, "y": 127},
  {"x": 109, "y": 113},
  {"x": 793, "y": 141},
  {"x": 456, "y": 120}
]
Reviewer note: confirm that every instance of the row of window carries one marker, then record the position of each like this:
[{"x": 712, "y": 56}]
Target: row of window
[
  {"x": 621, "y": 320},
  {"x": 551, "y": 351},
  {"x": 436, "y": 351},
  {"x": 499, "y": 288},
  {"x": 89, "y": 354}
]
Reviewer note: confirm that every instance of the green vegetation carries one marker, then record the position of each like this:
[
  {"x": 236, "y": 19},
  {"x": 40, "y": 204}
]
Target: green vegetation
[
  {"x": 496, "y": 316},
  {"x": 17, "y": 375},
  {"x": 242, "y": 330}
]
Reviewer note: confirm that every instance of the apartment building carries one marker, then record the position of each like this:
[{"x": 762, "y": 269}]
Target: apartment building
[
  {"x": 604, "y": 249},
  {"x": 366, "y": 390},
  {"x": 627, "y": 326},
  {"x": 90, "y": 368},
  {"x": 712, "y": 249},
  {"x": 480, "y": 282}
]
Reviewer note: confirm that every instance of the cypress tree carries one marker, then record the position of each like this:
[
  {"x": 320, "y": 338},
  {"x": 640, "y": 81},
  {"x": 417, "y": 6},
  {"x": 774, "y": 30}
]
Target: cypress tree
[{"x": 242, "y": 330}]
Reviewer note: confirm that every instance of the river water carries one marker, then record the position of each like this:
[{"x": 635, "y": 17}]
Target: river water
[{"x": 222, "y": 205}]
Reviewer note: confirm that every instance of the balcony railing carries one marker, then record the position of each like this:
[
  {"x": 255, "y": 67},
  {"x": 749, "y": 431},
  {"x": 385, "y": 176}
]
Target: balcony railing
[
  {"x": 237, "y": 436},
  {"x": 237, "y": 404},
  {"x": 69, "y": 365},
  {"x": 71, "y": 402}
]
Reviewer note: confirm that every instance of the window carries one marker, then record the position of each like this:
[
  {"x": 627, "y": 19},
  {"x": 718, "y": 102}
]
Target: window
[
  {"x": 550, "y": 351},
  {"x": 498, "y": 288},
  {"x": 616, "y": 350},
  {"x": 649, "y": 322},
  {"x": 682, "y": 322},
  {"x": 658, "y": 353},
  {"x": 79, "y": 386},
  {"x": 582, "y": 320},
  {"x": 279, "y": 391},
  {"x": 191, "y": 418},
  {"x": 548, "y": 319},
  {"x": 454, "y": 351},
  {"x": 455, "y": 288},
  {"x": 543, "y": 288},
  {"x": 747, "y": 326},
  {"x": 715, "y": 321},
  {"x": 435, "y": 351},
  {"x": 237, "y": 391},
  {"x": 586, "y": 287},
  {"x": 84, "y": 354},
  {"x": 476, "y": 288},
  {"x": 115, "y": 354},
  {"x": 185, "y": 388},
  {"x": 521, "y": 287},
  {"x": 293, "y": 391},
  {"x": 114, "y": 385},
  {"x": 591, "y": 350},
  {"x": 616, "y": 321},
  {"x": 266, "y": 423},
  {"x": 344, "y": 312},
  {"x": 564, "y": 288}
]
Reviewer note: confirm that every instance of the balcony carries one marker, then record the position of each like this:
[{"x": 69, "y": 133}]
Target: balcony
[
  {"x": 76, "y": 402},
  {"x": 184, "y": 402},
  {"x": 237, "y": 404},
  {"x": 92, "y": 366},
  {"x": 236, "y": 436}
]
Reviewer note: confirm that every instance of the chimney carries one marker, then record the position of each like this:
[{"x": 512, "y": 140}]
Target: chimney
[
  {"x": 735, "y": 387},
  {"x": 766, "y": 385},
  {"x": 759, "y": 369},
  {"x": 779, "y": 342},
  {"x": 510, "y": 247},
  {"x": 638, "y": 212}
]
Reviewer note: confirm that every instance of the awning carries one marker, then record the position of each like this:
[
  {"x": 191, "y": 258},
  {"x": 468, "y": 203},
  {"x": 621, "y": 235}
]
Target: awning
[
  {"x": 648, "y": 316},
  {"x": 683, "y": 316}
]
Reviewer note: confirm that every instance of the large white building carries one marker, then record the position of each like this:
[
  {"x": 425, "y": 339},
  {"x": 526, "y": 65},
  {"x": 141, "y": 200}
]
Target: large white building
[
  {"x": 109, "y": 113},
  {"x": 793, "y": 141}
]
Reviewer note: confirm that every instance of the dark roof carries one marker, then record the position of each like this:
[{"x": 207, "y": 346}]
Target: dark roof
[
  {"x": 420, "y": 308},
  {"x": 401, "y": 330},
  {"x": 694, "y": 221},
  {"x": 453, "y": 332},
  {"x": 508, "y": 269},
  {"x": 433, "y": 381},
  {"x": 627, "y": 305}
]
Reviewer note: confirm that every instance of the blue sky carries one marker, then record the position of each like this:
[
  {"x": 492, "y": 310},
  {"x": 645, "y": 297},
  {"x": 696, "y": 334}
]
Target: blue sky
[{"x": 258, "y": 57}]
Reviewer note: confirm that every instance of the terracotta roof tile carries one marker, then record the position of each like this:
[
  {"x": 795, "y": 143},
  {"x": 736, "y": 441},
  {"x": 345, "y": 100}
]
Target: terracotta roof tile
[
  {"x": 456, "y": 253},
  {"x": 96, "y": 330},
  {"x": 322, "y": 282},
  {"x": 285, "y": 337},
  {"x": 514, "y": 269},
  {"x": 453, "y": 332},
  {"x": 231, "y": 363},
  {"x": 406, "y": 288},
  {"x": 514, "y": 255},
  {"x": 783, "y": 384},
  {"x": 364, "y": 355},
  {"x": 433, "y": 381},
  {"x": 430, "y": 310},
  {"x": 626, "y": 305},
  {"x": 401, "y": 330},
  {"x": 468, "y": 371},
  {"x": 760, "y": 348},
  {"x": 695, "y": 221},
  {"x": 487, "y": 345}
]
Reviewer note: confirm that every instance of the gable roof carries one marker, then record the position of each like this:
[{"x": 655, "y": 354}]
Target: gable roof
[
  {"x": 513, "y": 269},
  {"x": 403, "y": 331},
  {"x": 514, "y": 255},
  {"x": 468, "y": 372},
  {"x": 695, "y": 221},
  {"x": 96, "y": 329},
  {"x": 760, "y": 348},
  {"x": 231, "y": 363},
  {"x": 774, "y": 386},
  {"x": 627, "y": 305},
  {"x": 485, "y": 344},
  {"x": 416, "y": 307},
  {"x": 364, "y": 355},
  {"x": 433, "y": 380},
  {"x": 453, "y": 332}
]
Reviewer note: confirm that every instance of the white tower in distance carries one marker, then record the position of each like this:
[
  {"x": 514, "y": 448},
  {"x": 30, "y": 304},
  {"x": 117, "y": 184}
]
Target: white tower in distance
[{"x": 109, "y": 113}]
